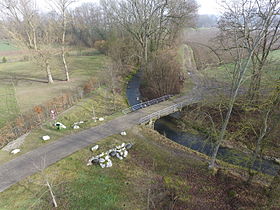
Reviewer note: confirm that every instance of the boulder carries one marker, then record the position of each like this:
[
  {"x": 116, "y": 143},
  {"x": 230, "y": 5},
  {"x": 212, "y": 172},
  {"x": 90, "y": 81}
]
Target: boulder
[
  {"x": 15, "y": 151},
  {"x": 109, "y": 164},
  {"x": 113, "y": 153},
  {"x": 123, "y": 133},
  {"x": 45, "y": 138},
  {"x": 76, "y": 127},
  {"x": 101, "y": 119},
  {"x": 128, "y": 146},
  {"x": 94, "y": 148}
]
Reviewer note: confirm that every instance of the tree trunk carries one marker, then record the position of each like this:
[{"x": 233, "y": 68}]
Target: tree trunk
[
  {"x": 51, "y": 192},
  {"x": 65, "y": 65},
  {"x": 63, "y": 48},
  {"x": 258, "y": 147},
  {"x": 48, "y": 71},
  {"x": 222, "y": 132},
  {"x": 255, "y": 84}
]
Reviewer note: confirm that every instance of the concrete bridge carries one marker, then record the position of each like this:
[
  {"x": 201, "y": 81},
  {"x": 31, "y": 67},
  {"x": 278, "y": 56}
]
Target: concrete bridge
[{"x": 24, "y": 165}]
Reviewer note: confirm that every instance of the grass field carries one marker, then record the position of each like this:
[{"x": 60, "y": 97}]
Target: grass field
[
  {"x": 155, "y": 175},
  {"x": 224, "y": 73},
  {"x": 30, "y": 84},
  {"x": 6, "y": 46}
]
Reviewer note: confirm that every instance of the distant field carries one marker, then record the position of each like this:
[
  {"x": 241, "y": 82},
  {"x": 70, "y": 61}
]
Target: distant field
[
  {"x": 6, "y": 46},
  {"x": 224, "y": 74},
  {"x": 30, "y": 83}
]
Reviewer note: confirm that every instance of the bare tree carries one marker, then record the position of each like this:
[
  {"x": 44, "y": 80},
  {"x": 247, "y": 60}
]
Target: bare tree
[
  {"x": 21, "y": 21},
  {"x": 61, "y": 7},
  {"x": 246, "y": 19},
  {"x": 242, "y": 62},
  {"x": 150, "y": 22}
]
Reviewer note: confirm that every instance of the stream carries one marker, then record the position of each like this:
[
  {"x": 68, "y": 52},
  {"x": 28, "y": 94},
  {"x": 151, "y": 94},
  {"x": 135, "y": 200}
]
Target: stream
[{"x": 167, "y": 127}]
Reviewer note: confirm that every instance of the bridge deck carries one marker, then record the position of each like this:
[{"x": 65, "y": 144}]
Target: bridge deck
[{"x": 29, "y": 163}]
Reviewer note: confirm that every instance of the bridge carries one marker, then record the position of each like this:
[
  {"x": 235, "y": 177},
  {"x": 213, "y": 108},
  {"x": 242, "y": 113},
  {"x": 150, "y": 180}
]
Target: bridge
[{"x": 22, "y": 166}]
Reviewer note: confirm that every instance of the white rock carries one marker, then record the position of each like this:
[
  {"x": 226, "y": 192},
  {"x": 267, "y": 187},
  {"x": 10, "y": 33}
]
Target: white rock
[
  {"x": 107, "y": 157},
  {"x": 109, "y": 164},
  {"x": 101, "y": 160},
  {"x": 125, "y": 153},
  {"x": 15, "y": 151},
  {"x": 76, "y": 127},
  {"x": 60, "y": 124},
  {"x": 94, "y": 148},
  {"x": 102, "y": 165},
  {"x": 45, "y": 138},
  {"x": 123, "y": 133},
  {"x": 101, "y": 119},
  {"x": 81, "y": 122},
  {"x": 122, "y": 145},
  {"x": 277, "y": 160}
]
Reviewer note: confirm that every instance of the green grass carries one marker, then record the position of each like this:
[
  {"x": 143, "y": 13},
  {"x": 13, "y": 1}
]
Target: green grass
[
  {"x": 30, "y": 84},
  {"x": 100, "y": 99},
  {"x": 224, "y": 73},
  {"x": 8, "y": 106},
  {"x": 6, "y": 46},
  {"x": 155, "y": 169}
]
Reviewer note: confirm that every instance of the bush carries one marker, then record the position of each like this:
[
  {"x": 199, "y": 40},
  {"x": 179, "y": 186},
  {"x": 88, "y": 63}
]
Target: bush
[
  {"x": 101, "y": 46},
  {"x": 4, "y": 60},
  {"x": 162, "y": 76}
]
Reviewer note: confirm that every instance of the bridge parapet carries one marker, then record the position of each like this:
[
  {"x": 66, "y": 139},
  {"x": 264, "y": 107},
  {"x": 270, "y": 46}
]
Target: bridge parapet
[
  {"x": 146, "y": 104},
  {"x": 166, "y": 111}
]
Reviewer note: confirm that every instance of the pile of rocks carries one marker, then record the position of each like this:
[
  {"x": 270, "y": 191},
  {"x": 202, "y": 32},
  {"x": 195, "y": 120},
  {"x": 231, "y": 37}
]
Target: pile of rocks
[
  {"x": 76, "y": 125},
  {"x": 104, "y": 160}
]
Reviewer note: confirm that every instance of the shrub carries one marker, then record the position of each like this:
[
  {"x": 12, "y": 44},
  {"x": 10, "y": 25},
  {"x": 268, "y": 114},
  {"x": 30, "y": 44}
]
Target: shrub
[
  {"x": 101, "y": 46},
  {"x": 162, "y": 76},
  {"x": 4, "y": 60}
]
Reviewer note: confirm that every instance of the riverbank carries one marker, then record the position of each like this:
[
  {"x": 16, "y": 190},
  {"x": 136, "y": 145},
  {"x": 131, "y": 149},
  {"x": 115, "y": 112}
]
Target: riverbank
[{"x": 156, "y": 174}]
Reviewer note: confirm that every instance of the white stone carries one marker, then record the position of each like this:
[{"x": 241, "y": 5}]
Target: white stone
[
  {"x": 94, "y": 148},
  {"x": 109, "y": 164},
  {"x": 15, "y": 151},
  {"x": 123, "y": 133},
  {"x": 123, "y": 145},
  {"x": 101, "y": 119},
  {"x": 101, "y": 160},
  {"x": 125, "y": 153},
  {"x": 102, "y": 165},
  {"x": 277, "y": 160},
  {"x": 107, "y": 157},
  {"x": 61, "y": 125},
  {"x": 76, "y": 127},
  {"x": 81, "y": 122},
  {"x": 45, "y": 138}
]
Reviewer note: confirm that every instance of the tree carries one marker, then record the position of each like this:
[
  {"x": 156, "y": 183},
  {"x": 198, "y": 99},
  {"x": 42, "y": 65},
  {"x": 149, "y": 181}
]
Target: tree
[
  {"x": 151, "y": 23},
  {"x": 163, "y": 75},
  {"x": 241, "y": 65},
  {"x": 243, "y": 21},
  {"x": 22, "y": 22},
  {"x": 61, "y": 7},
  {"x": 88, "y": 24}
]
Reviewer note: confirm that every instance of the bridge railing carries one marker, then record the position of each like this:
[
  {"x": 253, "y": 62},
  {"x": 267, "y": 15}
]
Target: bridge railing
[
  {"x": 165, "y": 111},
  {"x": 145, "y": 104}
]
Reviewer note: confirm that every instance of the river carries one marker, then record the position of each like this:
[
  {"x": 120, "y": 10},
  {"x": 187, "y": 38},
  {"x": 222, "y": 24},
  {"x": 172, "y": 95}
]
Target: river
[{"x": 201, "y": 143}]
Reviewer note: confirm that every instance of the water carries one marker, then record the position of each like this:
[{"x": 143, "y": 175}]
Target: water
[
  {"x": 199, "y": 142},
  {"x": 132, "y": 90}
]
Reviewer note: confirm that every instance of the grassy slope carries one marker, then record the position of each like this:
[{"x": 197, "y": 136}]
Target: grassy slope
[
  {"x": 100, "y": 99},
  {"x": 30, "y": 86},
  {"x": 155, "y": 171},
  {"x": 223, "y": 74}
]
